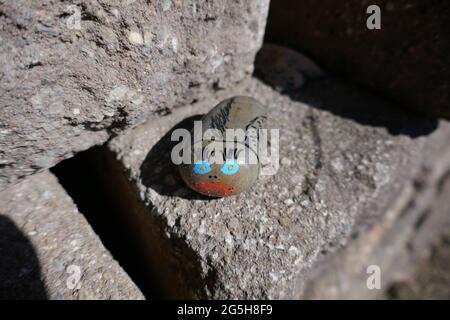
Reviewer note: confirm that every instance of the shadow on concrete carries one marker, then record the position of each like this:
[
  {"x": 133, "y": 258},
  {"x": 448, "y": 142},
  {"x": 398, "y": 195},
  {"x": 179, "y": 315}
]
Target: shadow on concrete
[
  {"x": 20, "y": 272},
  {"x": 160, "y": 174},
  {"x": 80, "y": 176},
  {"x": 344, "y": 99}
]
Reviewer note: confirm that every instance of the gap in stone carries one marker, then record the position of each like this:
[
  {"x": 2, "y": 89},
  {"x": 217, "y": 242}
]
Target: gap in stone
[{"x": 78, "y": 177}]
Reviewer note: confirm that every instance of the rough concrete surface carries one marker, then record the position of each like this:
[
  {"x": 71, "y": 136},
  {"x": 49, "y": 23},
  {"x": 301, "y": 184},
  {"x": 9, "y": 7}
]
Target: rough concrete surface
[
  {"x": 430, "y": 279},
  {"x": 73, "y": 72},
  {"x": 401, "y": 241},
  {"x": 49, "y": 251},
  {"x": 342, "y": 167},
  {"x": 408, "y": 59}
]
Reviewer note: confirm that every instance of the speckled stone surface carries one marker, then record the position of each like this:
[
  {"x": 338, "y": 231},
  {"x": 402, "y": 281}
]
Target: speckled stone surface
[
  {"x": 402, "y": 239},
  {"x": 48, "y": 250},
  {"x": 66, "y": 85},
  {"x": 342, "y": 166}
]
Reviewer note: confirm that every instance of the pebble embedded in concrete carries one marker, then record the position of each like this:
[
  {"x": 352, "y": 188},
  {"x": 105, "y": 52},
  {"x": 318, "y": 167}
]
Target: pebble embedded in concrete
[{"x": 135, "y": 37}]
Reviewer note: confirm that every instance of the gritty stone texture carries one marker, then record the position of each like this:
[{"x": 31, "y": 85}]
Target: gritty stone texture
[
  {"x": 43, "y": 242},
  {"x": 71, "y": 73},
  {"x": 408, "y": 59},
  {"x": 430, "y": 280},
  {"x": 342, "y": 166},
  {"x": 397, "y": 244}
]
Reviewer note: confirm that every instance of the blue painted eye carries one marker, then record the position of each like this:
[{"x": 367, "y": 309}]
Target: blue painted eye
[
  {"x": 202, "y": 167},
  {"x": 230, "y": 168}
]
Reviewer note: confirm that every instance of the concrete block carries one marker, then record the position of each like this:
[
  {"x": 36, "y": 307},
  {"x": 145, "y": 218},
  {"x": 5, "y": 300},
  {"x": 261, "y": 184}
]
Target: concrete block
[
  {"x": 398, "y": 244},
  {"x": 346, "y": 157},
  {"x": 406, "y": 60},
  {"x": 49, "y": 251},
  {"x": 72, "y": 74}
]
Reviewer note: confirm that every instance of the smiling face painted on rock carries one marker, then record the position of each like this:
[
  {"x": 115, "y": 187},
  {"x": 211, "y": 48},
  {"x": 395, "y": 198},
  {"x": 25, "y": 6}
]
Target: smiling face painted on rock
[
  {"x": 224, "y": 175},
  {"x": 226, "y": 168}
]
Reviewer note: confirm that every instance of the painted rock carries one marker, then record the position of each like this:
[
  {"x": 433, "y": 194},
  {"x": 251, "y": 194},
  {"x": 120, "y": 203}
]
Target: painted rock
[{"x": 225, "y": 162}]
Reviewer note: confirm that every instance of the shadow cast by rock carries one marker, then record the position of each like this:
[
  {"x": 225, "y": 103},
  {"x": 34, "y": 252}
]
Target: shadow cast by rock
[
  {"x": 20, "y": 272},
  {"x": 158, "y": 171},
  {"x": 294, "y": 75}
]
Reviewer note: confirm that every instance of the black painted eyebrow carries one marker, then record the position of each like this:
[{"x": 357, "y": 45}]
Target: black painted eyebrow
[
  {"x": 207, "y": 157},
  {"x": 235, "y": 152}
]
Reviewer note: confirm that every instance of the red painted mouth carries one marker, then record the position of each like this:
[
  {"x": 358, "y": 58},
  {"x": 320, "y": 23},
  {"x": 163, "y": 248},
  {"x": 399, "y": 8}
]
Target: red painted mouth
[{"x": 214, "y": 189}]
